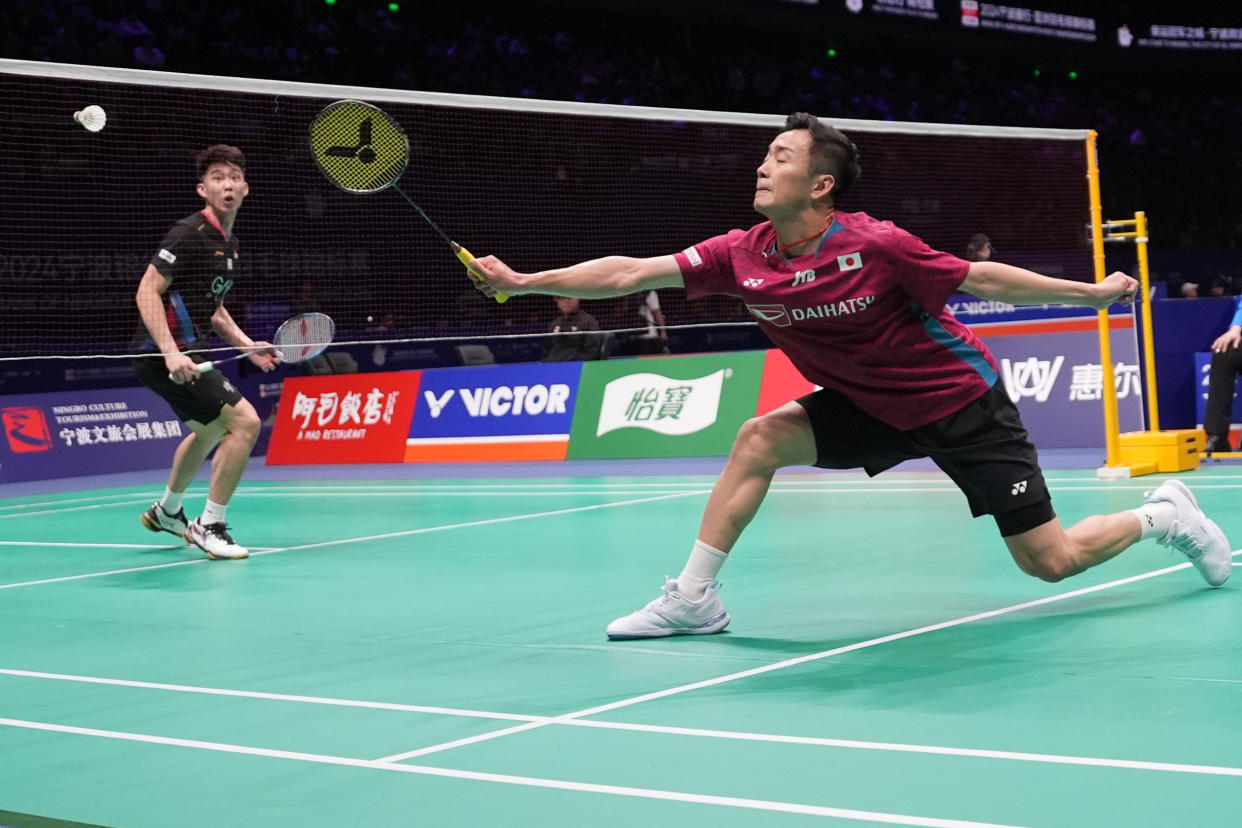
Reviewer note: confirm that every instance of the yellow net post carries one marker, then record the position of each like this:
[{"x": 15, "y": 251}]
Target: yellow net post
[
  {"x": 1112, "y": 421},
  {"x": 1153, "y": 450}
]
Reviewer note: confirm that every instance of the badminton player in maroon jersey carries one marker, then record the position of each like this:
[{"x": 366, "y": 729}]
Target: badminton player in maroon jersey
[
  {"x": 181, "y": 296},
  {"x": 858, "y": 305}
]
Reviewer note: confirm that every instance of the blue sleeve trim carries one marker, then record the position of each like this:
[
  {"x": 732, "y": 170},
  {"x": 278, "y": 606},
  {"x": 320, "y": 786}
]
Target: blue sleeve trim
[
  {"x": 183, "y": 318},
  {"x": 964, "y": 351}
]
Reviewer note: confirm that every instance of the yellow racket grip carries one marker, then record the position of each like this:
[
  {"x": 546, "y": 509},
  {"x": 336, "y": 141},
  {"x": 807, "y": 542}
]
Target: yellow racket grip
[{"x": 466, "y": 257}]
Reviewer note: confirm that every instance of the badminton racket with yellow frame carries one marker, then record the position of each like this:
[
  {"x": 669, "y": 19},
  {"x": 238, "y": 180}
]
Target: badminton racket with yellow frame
[{"x": 361, "y": 149}]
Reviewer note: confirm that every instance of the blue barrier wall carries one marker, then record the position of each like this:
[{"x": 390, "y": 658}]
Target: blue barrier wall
[{"x": 1184, "y": 327}]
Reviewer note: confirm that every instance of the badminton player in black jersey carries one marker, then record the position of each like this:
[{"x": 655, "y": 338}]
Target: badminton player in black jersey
[{"x": 181, "y": 298}]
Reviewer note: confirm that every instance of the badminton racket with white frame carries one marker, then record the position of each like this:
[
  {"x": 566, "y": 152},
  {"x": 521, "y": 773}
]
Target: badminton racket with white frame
[
  {"x": 298, "y": 339},
  {"x": 361, "y": 149}
]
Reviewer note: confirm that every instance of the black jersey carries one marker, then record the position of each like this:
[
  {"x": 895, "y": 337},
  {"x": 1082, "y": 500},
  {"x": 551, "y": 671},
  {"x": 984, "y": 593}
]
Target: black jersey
[{"x": 201, "y": 264}]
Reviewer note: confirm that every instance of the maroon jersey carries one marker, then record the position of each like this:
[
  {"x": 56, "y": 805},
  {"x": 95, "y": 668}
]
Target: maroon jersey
[{"x": 863, "y": 314}]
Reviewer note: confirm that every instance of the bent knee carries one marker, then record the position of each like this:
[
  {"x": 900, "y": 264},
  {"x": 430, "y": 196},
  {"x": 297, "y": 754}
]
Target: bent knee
[
  {"x": 1047, "y": 567},
  {"x": 758, "y": 442}
]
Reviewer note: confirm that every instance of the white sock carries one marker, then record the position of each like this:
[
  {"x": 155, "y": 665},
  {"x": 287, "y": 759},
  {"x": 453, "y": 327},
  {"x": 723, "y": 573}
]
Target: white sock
[
  {"x": 213, "y": 513},
  {"x": 1155, "y": 518},
  {"x": 171, "y": 501},
  {"x": 701, "y": 569}
]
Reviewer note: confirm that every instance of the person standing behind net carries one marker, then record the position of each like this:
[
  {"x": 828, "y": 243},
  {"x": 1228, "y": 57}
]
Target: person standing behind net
[
  {"x": 573, "y": 336},
  {"x": 858, "y": 305},
  {"x": 1222, "y": 378},
  {"x": 653, "y": 338},
  {"x": 181, "y": 292}
]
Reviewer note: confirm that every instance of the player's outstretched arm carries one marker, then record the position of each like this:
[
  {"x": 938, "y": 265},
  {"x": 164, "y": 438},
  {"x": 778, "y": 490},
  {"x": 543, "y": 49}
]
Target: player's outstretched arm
[
  {"x": 1006, "y": 283},
  {"x": 595, "y": 279}
]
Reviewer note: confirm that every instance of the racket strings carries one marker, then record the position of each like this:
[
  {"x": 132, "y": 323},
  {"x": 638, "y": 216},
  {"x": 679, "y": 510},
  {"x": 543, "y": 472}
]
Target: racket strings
[
  {"x": 304, "y": 337},
  {"x": 358, "y": 147}
]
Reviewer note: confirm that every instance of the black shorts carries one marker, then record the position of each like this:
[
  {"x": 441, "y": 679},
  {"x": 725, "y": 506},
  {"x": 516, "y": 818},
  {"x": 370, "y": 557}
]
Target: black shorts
[
  {"x": 983, "y": 447},
  {"x": 200, "y": 400}
]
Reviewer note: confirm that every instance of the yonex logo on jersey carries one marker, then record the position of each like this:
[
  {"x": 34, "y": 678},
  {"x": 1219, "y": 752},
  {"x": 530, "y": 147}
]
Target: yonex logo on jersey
[
  {"x": 168, "y": 256},
  {"x": 777, "y": 315},
  {"x": 1018, "y": 488},
  {"x": 850, "y": 261},
  {"x": 803, "y": 277},
  {"x": 752, "y": 283},
  {"x": 693, "y": 255}
]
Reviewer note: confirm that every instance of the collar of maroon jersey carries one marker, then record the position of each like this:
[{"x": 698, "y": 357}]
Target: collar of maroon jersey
[{"x": 828, "y": 231}]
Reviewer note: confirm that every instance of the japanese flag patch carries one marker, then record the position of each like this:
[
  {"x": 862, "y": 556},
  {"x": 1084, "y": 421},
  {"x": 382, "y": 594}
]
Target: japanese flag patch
[{"x": 850, "y": 261}]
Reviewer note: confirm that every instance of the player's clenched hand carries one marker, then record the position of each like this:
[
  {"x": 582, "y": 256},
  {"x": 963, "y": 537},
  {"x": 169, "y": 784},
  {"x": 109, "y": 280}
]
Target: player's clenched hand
[
  {"x": 266, "y": 356},
  {"x": 491, "y": 276},
  {"x": 1231, "y": 338},
  {"x": 181, "y": 368},
  {"x": 1116, "y": 287}
]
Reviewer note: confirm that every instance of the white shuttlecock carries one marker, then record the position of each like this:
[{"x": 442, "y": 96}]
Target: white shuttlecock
[{"x": 92, "y": 117}]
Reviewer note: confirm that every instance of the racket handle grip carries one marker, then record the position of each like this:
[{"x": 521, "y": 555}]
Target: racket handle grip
[
  {"x": 203, "y": 367},
  {"x": 466, "y": 257}
]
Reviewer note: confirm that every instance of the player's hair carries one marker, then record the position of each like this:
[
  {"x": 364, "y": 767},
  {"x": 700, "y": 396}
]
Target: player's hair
[
  {"x": 831, "y": 151},
  {"x": 218, "y": 154}
]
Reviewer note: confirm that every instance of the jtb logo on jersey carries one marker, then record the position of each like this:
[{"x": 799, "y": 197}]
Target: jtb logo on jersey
[{"x": 803, "y": 277}]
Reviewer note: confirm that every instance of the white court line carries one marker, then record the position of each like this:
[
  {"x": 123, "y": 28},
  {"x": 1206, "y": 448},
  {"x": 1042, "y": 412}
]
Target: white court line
[
  {"x": 509, "y": 779},
  {"x": 562, "y": 493},
  {"x": 171, "y": 544},
  {"x": 78, "y": 508},
  {"x": 935, "y": 750},
  {"x": 361, "y": 539},
  {"x": 92, "y": 499},
  {"x": 287, "y": 697},
  {"x": 745, "y": 736},
  {"x": 938, "y": 486},
  {"x": 792, "y": 662}
]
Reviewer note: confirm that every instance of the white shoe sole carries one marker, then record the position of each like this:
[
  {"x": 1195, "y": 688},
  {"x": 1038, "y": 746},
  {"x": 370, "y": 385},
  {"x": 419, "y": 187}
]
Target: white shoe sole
[{"x": 715, "y": 625}]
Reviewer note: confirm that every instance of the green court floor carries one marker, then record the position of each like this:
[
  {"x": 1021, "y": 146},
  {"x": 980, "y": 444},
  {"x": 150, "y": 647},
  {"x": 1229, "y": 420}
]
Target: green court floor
[{"x": 431, "y": 653}]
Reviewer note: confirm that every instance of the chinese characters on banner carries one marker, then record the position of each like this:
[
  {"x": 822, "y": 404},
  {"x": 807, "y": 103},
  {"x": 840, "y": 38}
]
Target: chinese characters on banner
[{"x": 344, "y": 418}]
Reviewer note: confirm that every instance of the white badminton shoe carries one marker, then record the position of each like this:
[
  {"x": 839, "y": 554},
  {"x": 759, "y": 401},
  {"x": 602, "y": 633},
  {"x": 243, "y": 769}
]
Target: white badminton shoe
[
  {"x": 215, "y": 541},
  {"x": 157, "y": 520},
  {"x": 1194, "y": 534},
  {"x": 673, "y": 614}
]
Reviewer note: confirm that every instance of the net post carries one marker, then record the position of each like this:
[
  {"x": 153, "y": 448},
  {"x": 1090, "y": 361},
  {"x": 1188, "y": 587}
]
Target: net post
[
  {"x": 1149, "y": 335},
  {"x": 1112, "y": 421}
]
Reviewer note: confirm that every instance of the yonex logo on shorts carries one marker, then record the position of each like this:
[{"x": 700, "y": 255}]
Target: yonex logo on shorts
[
  {"x": 777, "y": 315},
  {"x": 168, "y": 256},
  {"x": 1018, "y": 488},
  {"x": 693, "y": 255},
  {"x": 752, "y": 282}
]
